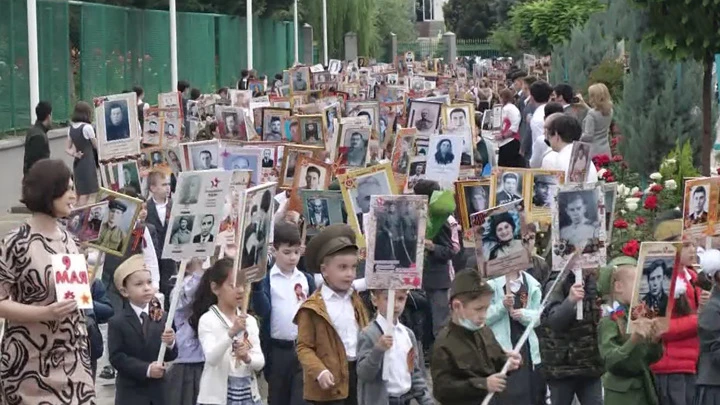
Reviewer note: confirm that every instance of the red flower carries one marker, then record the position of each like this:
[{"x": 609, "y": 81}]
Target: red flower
[
  {"x": 639, "y": 221},
  {"x": 602, "y": 160},
  {"x": 631, "y": 248},
  {"x": 610, "y": 179},
  {"x": 651, "y": 202},
  {"x": 620, "y": 223},
  {"x": 608, "y": 173},
  {"x": 617, "y": 158},
  {"x": 656, "y": 188},
  {"x": 620, "y": 313},
  {"x": 638, "y": 194}
]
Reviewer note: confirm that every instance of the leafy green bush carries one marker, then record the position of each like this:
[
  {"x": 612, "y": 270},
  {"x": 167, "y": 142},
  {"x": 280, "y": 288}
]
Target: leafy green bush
[{"x": 609, "y": 72}]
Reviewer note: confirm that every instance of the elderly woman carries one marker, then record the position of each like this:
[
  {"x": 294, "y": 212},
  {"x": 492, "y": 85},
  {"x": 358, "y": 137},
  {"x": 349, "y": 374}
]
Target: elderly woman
[
  {"x": 597, "y": 122},
  {"x": 502, "y": 228},
  {"x": 45, "y": 351}
]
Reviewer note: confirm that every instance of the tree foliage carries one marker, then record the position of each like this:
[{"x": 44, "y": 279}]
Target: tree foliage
[
  {"x": 611, "y": 73},
  {"x": 358, "y": 16},
  {"x": 688, "y": 29},
  {"x": 398, "y": 17},
  {"x": 543, "y": 23},
  {"x": 264, "y": 8},
  {"x": 659, "y": 108},
  {"x": 469, "y": 18}
]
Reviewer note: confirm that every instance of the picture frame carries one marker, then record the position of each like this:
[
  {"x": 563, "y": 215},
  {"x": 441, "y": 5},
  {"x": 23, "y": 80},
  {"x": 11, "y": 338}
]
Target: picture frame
[
  {"x": 698, "y": 204},
  {"x": 152, "y": 124},
  {"x": 610, "y": 190},
  {"x": 203, "y": 155},
  {"x": 579, "y": 163},
  {"x": 424, "y": 116},
  {"x": 227, "y": 237},
  {"x": 196, "y": 214},
  {"x": 368, "y": 109},
  {"x": 354, "y": 145},
  {"x": 172, "y": 127},
  {"x": 498, "y": 234},
  {"x": 313, "y": 129},
  {"x": 274, "y": 124},
  {"x": 85, "y": 222},
  {"x": 473, "y": 196},
  {"x": 118, "y": 224},
  {"x": 171, "y": 99},
  {"x": 254, "y": 232},
  {"x": 311, "y": 174},
  {"x": 231, "y": 122},
  {"x": 578, "y": 217},
  {"x": 444, "y": 158},
  {"x": 299, "y": 79},
  {"x": 396, "y": 253},
  {"x": 240, "y": 98},
  {"x": 116, "y": 118},
  {"x": 321, "y": 209},
  {"x": 238, "y": 157},
  {"x": 540, "y": 184},
  {"x": 291, "y": 153},
  {"x": 458, "y": 117},
  {"x": 655, "y": 277},
  {"x": 506, "y": 190},
  {"x": 358, "y": 186}
]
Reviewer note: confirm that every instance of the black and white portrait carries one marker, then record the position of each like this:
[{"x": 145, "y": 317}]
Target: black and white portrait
[
  {"x": 181, "y": 231},
  {"x": 330, "y": 115},
  {"x": 655, "y": 283},
  {"x": 425, "y": 116},
  {"x": 312, "y": 131},
  {"x": 117, "y": 123},
  {"x": 230, "y": 127},
  {"x": 334, "y": 66},
  {"x": 300, "y": 79},
  {"x": 258, "y": 219},
  {"x": 366, "y": 186},
  {"x": 476, "y": 199},
  {"x": 396, "y": 233},
  {"x": 368, "y": 110},
  {"x": 542, "y": 183},
  {"x": 502, "y": 236},
  {"x": 578, "y": 219},
  {"x": 267, "y": 159},
  {"x": 444, "y": 152},
  {"x": 190, "y": 190},
  {"x": 171, "y": 130},
  {"x": 207, "y": 223},
  {"x": 416, "y": 173},
  {"x": 579, "y": 162},
  {"x": 355, "y": 141},
  {"x": 458, "y": 118},
  {"x": 509, "y": 188},
  {"x": 312, "y": 177},
  {"x": 443, "y": 159},
  {"x": 697, "y": 202},
  {"x": 319, "y": 217},
  {"x": 204, "y": 157}
]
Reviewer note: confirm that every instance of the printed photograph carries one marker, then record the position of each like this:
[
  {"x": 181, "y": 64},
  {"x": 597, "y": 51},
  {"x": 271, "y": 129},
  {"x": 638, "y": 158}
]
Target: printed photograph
[
  {"x": 300, "y": 79},
  {"x": 204, "y": 156},
  {"x": 354, "y": 145},
  {"x": 654, "y": 284},
  {"x": 443, "y": 159},
  {"x": 117, "y": 223},
  {"x": 151, "y": 127},
  {"x": 369, "y": 110},
  {"x": 231, "y": 123},
  {"x": 499, "y": 247},
  {"x": 181, "y": 231},
  {"x": 312, "y": 174},
  {"x": 239, "y": 158},
  {"x": 458, "y": 117},
  {"x": 291, "y": 155},
  {"x": 257, "y": 221},
  {"x": 416, "y": 173},
  {"x": 396, "y": 232},
  {"x": 189, "y": 193},
  {"x": 509, "y": 187},
  {"x": 579, "y": 162},
  {"x": 698, "y": 203},
  {"x": 425, "y": 116},
  {"x": 320, "y": 209},
  {"x": 117, "y": 123},
  {"x": 274, "y": 120},
  {"x": 131, "y": 176},
  {"x": 207, "y": 223},
  {"x": 579, "y": 220}
]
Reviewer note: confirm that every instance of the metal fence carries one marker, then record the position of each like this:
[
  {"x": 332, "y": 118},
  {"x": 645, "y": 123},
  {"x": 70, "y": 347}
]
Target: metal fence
[{"x": 87, "y": 50}]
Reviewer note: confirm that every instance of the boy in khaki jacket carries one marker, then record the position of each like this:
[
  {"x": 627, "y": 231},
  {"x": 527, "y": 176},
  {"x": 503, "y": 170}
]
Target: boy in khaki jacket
[{"x": 329, "y": 320}]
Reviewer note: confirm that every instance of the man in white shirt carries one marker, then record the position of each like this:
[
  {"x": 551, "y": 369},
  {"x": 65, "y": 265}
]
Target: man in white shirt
[
  {"x": 540, "y": 93},
  {"x": 562, "y": 131}
]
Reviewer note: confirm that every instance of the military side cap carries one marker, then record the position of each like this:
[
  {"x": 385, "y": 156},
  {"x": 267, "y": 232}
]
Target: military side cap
[
  {"x": 469, "y": 281},
  {"x": 131, "y": 265},
  {"x": 117, "y": 205},
  {"x": 544, "y": 179},
  {"x": 604, "y": 281},
  {"x": 332, "y": 239}
]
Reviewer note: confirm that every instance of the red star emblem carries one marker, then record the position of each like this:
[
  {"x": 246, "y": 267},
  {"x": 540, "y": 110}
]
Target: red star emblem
[
  {"x": 69, "y": 295},
  {"x": 214, "y": 183},
  {"x": 85, "y": 299}
]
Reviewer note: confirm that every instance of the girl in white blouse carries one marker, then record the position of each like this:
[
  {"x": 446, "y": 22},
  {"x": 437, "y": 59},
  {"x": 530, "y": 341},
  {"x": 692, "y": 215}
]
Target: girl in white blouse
[{"x": 230, "y": 340}]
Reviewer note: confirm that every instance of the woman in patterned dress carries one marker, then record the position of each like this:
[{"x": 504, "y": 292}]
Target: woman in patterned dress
[{"x": 45, "y": 357}]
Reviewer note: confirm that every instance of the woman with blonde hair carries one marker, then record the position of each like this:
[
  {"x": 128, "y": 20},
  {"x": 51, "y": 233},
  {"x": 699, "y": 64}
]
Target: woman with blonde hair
[{"x": 597, "y": 122}]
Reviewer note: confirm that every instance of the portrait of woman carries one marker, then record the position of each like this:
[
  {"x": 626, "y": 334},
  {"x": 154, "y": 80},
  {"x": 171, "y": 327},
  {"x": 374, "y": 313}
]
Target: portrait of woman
[
  {"x": 444, "y": 154},
  {"x": 579, "y": 166},
  {"x": 46, "y": 336},
  {"x": 502, "y": 231}
]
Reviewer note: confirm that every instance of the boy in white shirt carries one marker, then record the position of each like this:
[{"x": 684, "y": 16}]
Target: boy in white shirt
[{"x": 389, "y": 362}]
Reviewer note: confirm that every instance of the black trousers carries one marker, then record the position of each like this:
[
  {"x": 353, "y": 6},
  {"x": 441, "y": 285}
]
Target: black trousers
[
  {"x": 509, "y": 155},
  {"x": 285, "y": 380},
  {"x": 352, "y": 392}
]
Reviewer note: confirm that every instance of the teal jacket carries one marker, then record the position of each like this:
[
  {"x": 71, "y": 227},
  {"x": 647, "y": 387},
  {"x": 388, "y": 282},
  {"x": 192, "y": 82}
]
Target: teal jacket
[
  {"x": 498, "y": 317},
  {"x": 627, "y": 379}
]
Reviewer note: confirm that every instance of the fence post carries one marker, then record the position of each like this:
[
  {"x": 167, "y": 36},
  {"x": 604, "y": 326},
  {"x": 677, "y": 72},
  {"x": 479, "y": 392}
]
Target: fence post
[
  {"x": 351, "y": 50},
  {"x": 307, "y": 38},
  {"x": 393, "y": 48},
  {"x": 450, "y": 41}
]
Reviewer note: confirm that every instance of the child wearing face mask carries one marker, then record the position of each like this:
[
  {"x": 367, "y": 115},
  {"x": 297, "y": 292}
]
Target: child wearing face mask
[
  {"x": 626, "y": 356},
  {"x": 467, "y": 360}
]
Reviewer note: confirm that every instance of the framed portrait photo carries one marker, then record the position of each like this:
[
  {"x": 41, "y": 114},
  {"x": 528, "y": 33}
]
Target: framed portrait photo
[
  {"x": 395, "y": 249},
  {"x": 118, "y": 133},
  {"x": 499, "y": 247},
  {"x": 458, "y": 117},
  {"x": 300, "y": 79},
  {"x": 321, "y": 209},
  {"x": 443, "y": 159},
  {"x": 698, "y": 203},
  {"x": 354, "y": 145},
  {"x": 509, "y": 186},
  {"x": 370, "y": 110},
  {"x": 118, "y": 223},
  {"x": 273, "y": 124},
  {"x": 203, "y": 155},
  {"x": 312, "y": 129},
  {"x": 231, "y": 122},
  {"x": 85, "y": 222},
  {"x": 291, "y": 154},
  {"x": 416, "y": 171},
  {"x": 579, "y": 162},
  {"x": 473, "y": 196},
  {"x": 172, "y": 129},
  {"x": 254, "y": 232},
  {"x": 425, "y": 116},
  {"x": 311, "y": 174},
  {"x": 152, "y": 124},
  {"x": 358, "y": 186},
  {"x": 656, "y": 272},
  {"x": 541, "y": 183},
  {"x": 237, "y": 157},
  {"x": 578, "y": 219}
]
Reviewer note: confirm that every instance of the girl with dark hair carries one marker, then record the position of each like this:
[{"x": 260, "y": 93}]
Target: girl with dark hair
[
  {"x": 45, "y": 350},
  {"x": 81, "y": 145},
  {"x": 502, "y": 230},
  {"x": 230, "y": 340}
]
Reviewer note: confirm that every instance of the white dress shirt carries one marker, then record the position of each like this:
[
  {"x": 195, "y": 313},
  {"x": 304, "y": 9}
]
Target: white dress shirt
[
  {"x": 146, "y": 310},
  {"x": 286, "y": 302},
  {"x": 537, "y": 128},
  {"x": 561, "y": 161},
  {"x": 511, "y": 112},
  {"x": 342, "y": 315},
  {"x": 396, "y": 370},
  {"x": 161, "y": 210},
  {"x": 358, "y": 285}
]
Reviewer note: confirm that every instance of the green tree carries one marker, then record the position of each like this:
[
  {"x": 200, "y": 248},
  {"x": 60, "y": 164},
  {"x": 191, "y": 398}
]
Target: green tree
[
  {"x": 543, "y": 23},
  {"x": 688, "y": 29},
  {"x": 359, "y": 16},
  {"x": 658, "y": 108},
  {"x": 398, "y": 17},
  {"x": 469, "y": 19}
]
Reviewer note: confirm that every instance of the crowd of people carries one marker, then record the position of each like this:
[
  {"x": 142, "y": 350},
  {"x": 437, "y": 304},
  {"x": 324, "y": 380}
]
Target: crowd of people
[{"x": 314, "y": 331}]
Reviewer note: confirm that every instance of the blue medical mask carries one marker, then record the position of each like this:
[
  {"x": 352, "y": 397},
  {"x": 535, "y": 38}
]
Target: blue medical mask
[{"x": 469, "y": 325}]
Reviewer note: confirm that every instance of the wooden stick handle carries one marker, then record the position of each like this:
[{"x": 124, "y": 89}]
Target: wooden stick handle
[{"x": 175, "y": 297}]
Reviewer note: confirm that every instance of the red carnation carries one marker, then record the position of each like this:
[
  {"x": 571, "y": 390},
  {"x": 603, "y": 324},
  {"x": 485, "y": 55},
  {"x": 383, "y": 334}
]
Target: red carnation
[
  {"x": 620, "y": 223},
  {"x": 651, "y": 202},
  {"x": 608, "y": 173},
  {"x": 617, "y": 158},
  {"x": 656, "y": 188},
  {"x": 639, "y": 221},
  {"x": 602, "y": 160},
  {"x": 631, "y": 248}
]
